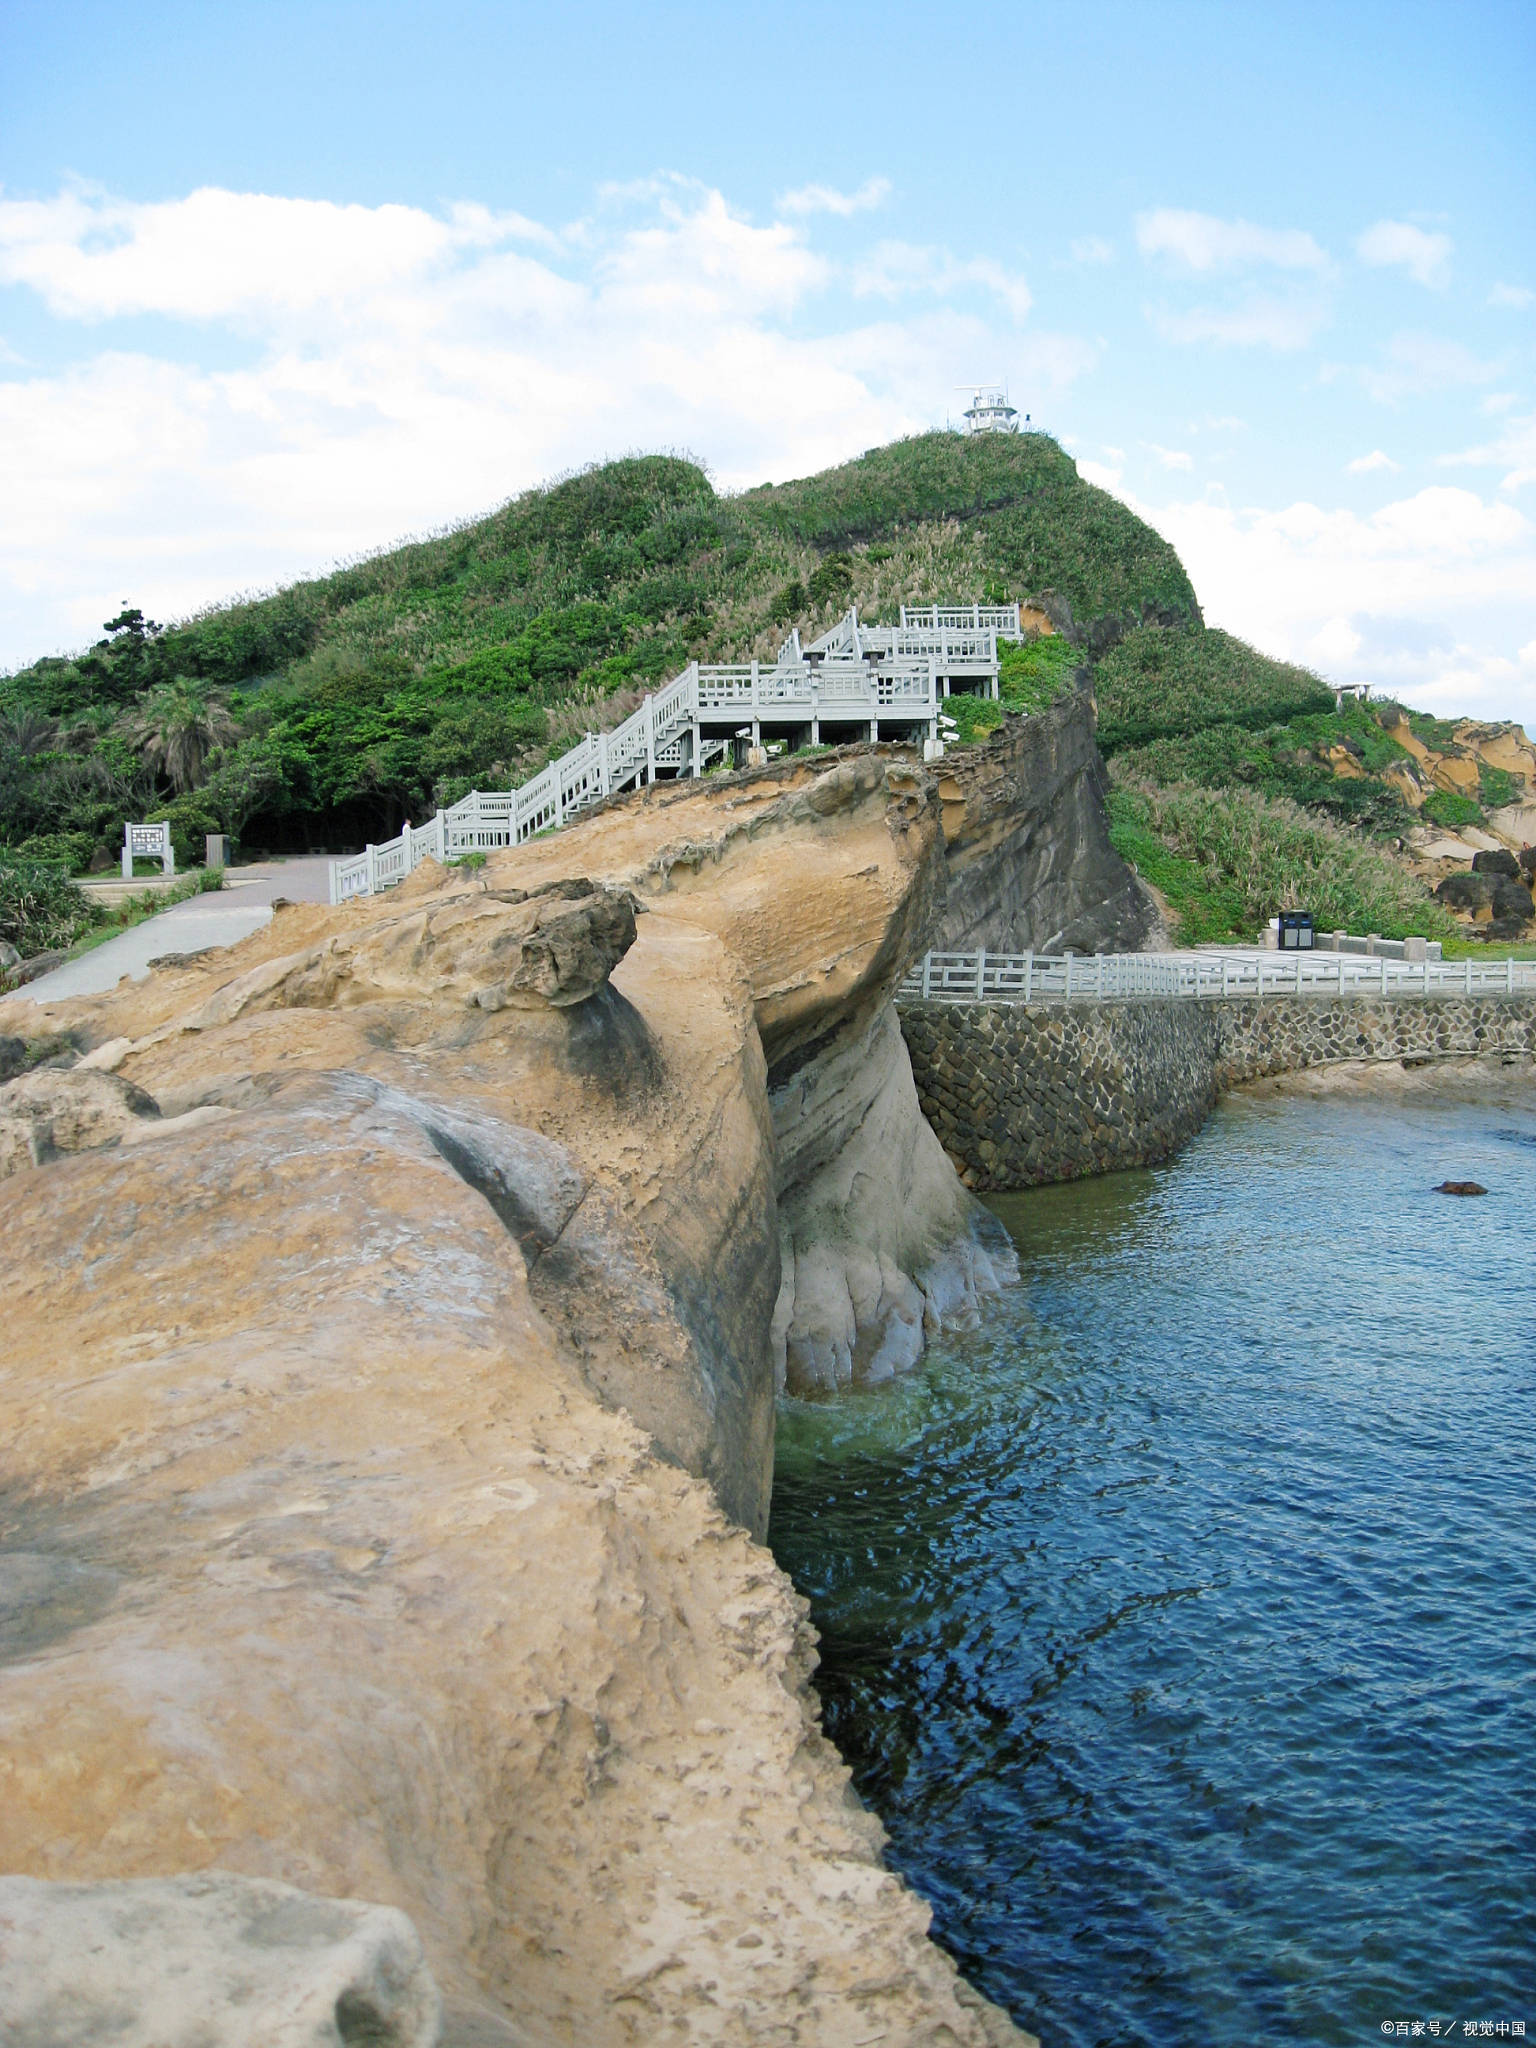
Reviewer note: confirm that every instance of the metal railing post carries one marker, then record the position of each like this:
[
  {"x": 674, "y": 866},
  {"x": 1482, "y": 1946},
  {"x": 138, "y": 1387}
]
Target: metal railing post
[{"x": 981, "y": 974}]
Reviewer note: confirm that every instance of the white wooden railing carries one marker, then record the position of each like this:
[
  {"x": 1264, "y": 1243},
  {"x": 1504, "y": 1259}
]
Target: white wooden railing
[
  {"x": 984, "y": 977},
  {"x": 1002, "y": 619}
]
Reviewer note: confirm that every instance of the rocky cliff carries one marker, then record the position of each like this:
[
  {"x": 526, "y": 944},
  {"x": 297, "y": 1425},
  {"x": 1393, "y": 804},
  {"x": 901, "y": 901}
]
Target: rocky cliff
[
  {"x": 394, "y": 1304},
  {"x": 1029, "y": 866}
]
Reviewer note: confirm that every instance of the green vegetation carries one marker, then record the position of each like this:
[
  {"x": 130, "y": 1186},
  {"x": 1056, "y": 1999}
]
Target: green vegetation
[
  {"x": 973, "y": 717},
  {"x": 332, "y": 710},
  {"x": 1242, "y": 856},
  {"x": 1206, "y": 909},
  {"x": 41, "y": 909},
  {"x": 1448, "y": 807},
  {"x": 1290, "y": 760},
  {"x": 1164, "y": 680},
  {"x": 1031, "y": 677},
  {"x": 1497, "y": 787}
]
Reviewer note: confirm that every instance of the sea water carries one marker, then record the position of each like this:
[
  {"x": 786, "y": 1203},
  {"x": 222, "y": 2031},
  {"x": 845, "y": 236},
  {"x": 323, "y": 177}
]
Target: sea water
[{"x": 1180, "y": 1622}]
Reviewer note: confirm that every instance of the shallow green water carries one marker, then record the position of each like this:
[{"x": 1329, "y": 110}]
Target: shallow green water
[{"x": 1181, "y": 1623}]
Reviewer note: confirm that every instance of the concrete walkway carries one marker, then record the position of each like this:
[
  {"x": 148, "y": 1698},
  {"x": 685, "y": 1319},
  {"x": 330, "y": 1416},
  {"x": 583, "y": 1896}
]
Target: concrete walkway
[{"x": 232, "y": 913}]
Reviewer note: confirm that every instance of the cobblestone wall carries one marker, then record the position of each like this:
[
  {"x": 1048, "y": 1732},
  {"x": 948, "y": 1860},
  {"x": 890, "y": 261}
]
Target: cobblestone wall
[{"x": 1019, "y": 1094}]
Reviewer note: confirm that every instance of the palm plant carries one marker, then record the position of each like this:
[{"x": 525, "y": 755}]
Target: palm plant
[
  {"x": 28, "y": 733},
  {"x": 177, "y": 727}
]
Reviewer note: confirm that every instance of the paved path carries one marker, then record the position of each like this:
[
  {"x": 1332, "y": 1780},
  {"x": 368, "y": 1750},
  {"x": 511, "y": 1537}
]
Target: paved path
[{"x": 232, "y": 913}]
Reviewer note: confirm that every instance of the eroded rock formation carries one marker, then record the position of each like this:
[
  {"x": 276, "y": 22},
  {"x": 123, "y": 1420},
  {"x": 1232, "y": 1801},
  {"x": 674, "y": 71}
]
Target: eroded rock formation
[
  {"x": 1029, "y": 866},
  {"x": 387, "y": 1427}
]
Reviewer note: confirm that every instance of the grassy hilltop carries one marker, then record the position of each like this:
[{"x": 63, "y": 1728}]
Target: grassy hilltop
[{"x": 327, "y": 712}]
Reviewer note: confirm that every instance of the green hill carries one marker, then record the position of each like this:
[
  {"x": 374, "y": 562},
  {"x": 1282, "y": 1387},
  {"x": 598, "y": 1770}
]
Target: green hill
[
  {"x": 331, "y": 710},
  {"x": 327, "y": 712}
]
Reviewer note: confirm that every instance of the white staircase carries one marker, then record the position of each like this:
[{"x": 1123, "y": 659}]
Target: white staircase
[{"x": 850, "y": 679}]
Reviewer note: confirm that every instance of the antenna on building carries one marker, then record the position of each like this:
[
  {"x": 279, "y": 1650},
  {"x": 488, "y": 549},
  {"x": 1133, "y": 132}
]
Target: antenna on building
[{"x": 989, "y": 411}]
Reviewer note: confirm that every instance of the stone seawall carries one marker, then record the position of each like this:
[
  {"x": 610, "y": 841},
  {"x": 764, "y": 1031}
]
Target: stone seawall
[{"x": 1019, "y": 1094}]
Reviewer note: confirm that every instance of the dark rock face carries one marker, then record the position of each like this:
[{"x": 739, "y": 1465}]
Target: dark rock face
[
  {"x": 1466, "y": 892},
  {"x": 1496, "y": 861},
  {"x": 1029, "y": 866}
]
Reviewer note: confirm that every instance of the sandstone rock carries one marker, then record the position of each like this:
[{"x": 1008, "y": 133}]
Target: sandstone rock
[
  {"x": 49, "y": 1112},
  {"x": 208, "y": 1961},
  {"x": 383, "y": 1515}
]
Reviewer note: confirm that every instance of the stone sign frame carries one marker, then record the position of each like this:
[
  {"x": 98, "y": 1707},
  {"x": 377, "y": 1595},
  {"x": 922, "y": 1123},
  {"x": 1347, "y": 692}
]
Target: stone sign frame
[{"x": 148, "y": 842}]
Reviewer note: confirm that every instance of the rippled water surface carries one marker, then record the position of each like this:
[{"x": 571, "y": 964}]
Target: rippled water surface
[{"x": 1181, "y": 1623}]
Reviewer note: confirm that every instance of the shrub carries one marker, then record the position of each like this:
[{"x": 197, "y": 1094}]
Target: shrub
[
  {"x": 1032, "y": 676},
  {"x": 41, "y": 909},
  {"x": 1450, "y": 808},
  {"x": 70, "y": 851},
  {"x": 974, "y": 717},
  {"x": 1497, "y": 787}
]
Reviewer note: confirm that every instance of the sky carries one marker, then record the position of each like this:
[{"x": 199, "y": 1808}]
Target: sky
[{"x": 280, "y": 284}]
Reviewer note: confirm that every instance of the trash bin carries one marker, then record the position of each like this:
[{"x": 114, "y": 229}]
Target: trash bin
[{"x": 1297, "y": 931}]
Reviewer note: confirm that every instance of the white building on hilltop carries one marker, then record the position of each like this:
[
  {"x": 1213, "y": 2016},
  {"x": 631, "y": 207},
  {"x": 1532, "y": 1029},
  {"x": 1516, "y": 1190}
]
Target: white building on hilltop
[{"x": 989, "y": 411}]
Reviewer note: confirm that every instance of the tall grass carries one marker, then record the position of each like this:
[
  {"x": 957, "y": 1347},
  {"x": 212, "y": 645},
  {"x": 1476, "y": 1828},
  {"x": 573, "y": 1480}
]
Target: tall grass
[{"x": 1250, "y": 855}]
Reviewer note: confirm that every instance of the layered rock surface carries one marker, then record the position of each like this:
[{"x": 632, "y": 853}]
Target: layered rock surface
[
  {"x": 388, "y": 1425},
  {"x": 1029, "y": 866}
]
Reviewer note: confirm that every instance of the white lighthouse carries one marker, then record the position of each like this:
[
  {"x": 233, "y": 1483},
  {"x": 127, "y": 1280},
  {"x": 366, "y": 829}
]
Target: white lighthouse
[{"x": 989, "y": 411}]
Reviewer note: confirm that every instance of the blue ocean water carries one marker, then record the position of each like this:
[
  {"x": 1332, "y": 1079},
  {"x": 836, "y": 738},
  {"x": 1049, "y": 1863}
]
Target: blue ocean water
[{"x": 1180, "y": 1623}]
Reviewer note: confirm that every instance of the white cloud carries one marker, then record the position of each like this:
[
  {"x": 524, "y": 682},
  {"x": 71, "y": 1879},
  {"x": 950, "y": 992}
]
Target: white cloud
[
  {"x": 893, "y": 269},
  {"x": 1417, "y": 364},
  {"x": 1171, "y": 458},
  {"x": 1092, "y": 249},
  {"x": 1398, "y": 245},
  {"x": 1364, "y": 464},
  {"x": 827, "y": 199},
  {"x": 1427, "y": 596},
  {"x": 1255, "y": 322},
  {"x": 383, "y": 369},
  {"x": 1203, "y": 243},
  {"x": 1514, "y": 452},
  {"x": 1516, "y": 295}
]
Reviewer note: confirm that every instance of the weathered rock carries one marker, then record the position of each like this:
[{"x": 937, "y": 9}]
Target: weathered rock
[
  {"x": 1461, "y": 1187},
  {"x": 209, "y": 1961},
  {"x": 374, "y": 1523},
  {"x": 1496, "y": 861},
  {"x": 1466, "y": 892},
  {"x": 1028, "y": 861},
  {"x": 49, "y": 1112}
]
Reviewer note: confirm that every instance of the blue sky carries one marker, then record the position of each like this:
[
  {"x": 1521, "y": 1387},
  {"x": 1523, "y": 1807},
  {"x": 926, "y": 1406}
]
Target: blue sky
[{"x": 281, "y": 283}]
